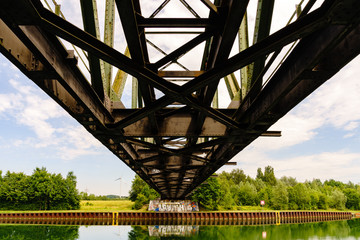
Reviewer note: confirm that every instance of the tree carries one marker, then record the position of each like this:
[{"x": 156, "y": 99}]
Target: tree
[
  {"x": 42, "y": 186},
  {"x": 289, "y": 181},
  {"x": 137, "y": 185},
  {"x": 334, "y": 183},
  {"x": 40, "y": 191},
  {"x": 237, "y": 176},
  {"x": 265, "y": 195},
  {"x": 269, "y": 175},
  {"x": 208, "y": 194},
  {"x": 337, "y": 199},
  {"x": 280, "y": 197},
  {"x": 247, "y": 194},
  {"x": 259, "y": 174},
  {"x": 353, "y": 198},
  {"x": 323, "y": 201},
  {"x": 141, "y": 192},
  {"x": 302, "y": 196}
]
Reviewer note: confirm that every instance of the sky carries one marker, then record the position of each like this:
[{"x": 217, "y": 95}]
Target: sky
[{"x": 320, "y": 136}]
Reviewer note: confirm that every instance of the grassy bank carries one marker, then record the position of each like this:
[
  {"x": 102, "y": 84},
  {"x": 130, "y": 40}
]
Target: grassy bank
[
  {"x": 106, "y": 205},
  {"x": 96, "y": 206},
  {"x": 126, "y": 206}
]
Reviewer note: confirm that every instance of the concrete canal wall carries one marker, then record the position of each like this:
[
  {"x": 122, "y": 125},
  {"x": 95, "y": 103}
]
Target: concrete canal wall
[{"x": 154, "y": 218}]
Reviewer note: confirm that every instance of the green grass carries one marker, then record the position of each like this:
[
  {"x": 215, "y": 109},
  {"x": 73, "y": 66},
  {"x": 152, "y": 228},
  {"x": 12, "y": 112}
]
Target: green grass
[
  {"x": 106, "y": 205},
  {"x": 95, "y": 206}
]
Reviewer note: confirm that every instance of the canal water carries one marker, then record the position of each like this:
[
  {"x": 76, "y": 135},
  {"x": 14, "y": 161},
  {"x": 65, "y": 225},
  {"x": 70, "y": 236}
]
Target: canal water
[{"x": 347, "y": 230}]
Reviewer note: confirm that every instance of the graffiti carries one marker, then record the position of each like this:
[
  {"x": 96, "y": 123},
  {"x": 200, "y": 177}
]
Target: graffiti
[
  {"x": 173, "y": 230},
  {"x": 173, "y": 206}
]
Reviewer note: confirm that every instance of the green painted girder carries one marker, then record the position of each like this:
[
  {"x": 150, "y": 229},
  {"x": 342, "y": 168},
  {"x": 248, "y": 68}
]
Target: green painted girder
[
  {"x": 215, "y": 103},
  {"x": 119, "y": 81},
  {"x": 262, "y": 30},
  {"x": 232, "y": 86},
  {"x": 134, "y": 93},
  {"x": 136, "y": 44},
  {"x": 243, "y": 37},
  {"x": 109, "y": 40},
  {"x": 221, "y": 48},
  {"x": 89, "y": 15}
]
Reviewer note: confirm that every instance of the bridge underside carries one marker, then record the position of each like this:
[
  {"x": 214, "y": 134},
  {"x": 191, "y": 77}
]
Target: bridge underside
[{"x": 175, "y": 136}]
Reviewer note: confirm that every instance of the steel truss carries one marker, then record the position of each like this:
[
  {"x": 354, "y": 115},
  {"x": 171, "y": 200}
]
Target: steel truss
[{"x": 177, "y": 140}]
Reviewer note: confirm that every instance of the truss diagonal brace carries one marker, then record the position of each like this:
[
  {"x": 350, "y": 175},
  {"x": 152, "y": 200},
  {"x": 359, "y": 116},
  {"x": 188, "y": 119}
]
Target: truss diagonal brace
[{"x": 292, "y": 32}]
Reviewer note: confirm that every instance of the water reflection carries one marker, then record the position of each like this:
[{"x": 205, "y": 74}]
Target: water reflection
[
  {"x": 25, "y": 232},
  {"x": 173, "y": 230},
  {"x": 320, "y": 230}
]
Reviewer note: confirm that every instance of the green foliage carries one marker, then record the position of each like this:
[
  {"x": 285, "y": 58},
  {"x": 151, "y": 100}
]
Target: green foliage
[
  {"x": 237, "y": 190},
  {"x": 208, "y": 194},
  {"x": 269, "y": 175},
  {"x": 236, "y": 176},
  {"x": 246, "y": 194},
  {"x": 337, "y": 199},
  {"x": 28, "y": 232},
  {"x": 353, "y": 198},
  {"x": 141, "y": 192},
  {"x": 40, "y": 191},
  {"x": 259, "y": 174},
  {"x": 323, "y": 201},
  {"x": 279, "y": 199},
  {"x": 289, "y": 181},
  {"x": 86, "y": 196}
]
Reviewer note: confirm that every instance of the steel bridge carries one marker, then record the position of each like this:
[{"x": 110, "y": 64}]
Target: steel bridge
[{"x": 174, "y": 135}]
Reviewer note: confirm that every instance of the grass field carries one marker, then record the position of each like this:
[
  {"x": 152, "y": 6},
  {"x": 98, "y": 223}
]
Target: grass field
[
  {"x": 95, "y": 206},
  {"x": 106, "y": 205}
]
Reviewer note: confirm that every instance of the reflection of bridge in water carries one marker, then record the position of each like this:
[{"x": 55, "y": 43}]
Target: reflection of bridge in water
[{"x": 175, "y": 135}]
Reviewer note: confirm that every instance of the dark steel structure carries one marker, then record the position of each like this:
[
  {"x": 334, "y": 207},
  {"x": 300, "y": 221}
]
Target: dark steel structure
[{"x": 175, "y": 136}]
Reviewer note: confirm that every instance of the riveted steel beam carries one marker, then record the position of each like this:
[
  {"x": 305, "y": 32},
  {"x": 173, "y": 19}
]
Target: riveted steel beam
[
  {"x": 89, "y": 14},
  {"x": 262, "y": 30},
  {"x": 109, "y": 26},
  {"x": 182, "y": 50},
  {"x": 175, "y": 22}
]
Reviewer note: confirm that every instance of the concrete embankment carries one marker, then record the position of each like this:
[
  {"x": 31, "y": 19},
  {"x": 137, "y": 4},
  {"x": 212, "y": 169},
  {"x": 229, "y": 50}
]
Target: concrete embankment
[{"x": 154, "y": 218}]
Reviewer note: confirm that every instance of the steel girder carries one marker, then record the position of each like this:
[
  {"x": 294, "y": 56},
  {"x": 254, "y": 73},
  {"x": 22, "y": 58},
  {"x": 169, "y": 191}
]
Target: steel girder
[{"x": 178, "y": 139}]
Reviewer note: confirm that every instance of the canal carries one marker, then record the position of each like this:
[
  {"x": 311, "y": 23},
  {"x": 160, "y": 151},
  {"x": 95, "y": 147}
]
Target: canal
[{"x": 343, "y": 229}]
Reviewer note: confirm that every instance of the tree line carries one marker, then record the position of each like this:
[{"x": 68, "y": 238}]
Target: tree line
[
  {"x": 233, "y": 190},
  {"x": 39, "y": 191},
  {"x": 92, "y": 197}
]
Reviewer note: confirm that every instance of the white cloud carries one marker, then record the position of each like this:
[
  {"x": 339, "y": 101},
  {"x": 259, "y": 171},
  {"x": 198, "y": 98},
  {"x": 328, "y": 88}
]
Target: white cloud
[
  {"x": 351, "y": 126},
  {"x": 47, "y": 120},
  {"x": 340, "y": 165},
  {"x": 333, "y": 105}
]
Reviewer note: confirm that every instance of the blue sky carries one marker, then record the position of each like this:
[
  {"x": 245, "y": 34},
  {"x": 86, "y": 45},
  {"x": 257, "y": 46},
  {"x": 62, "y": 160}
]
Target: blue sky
[{"x": 320, "y": 136}]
